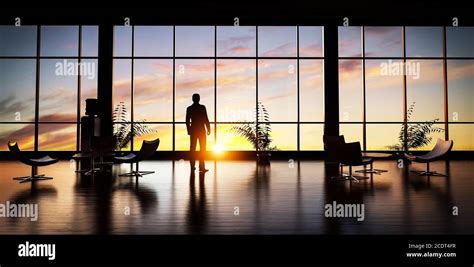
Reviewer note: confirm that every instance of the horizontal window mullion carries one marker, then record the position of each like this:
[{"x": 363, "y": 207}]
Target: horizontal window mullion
[
  {"x": 46, "y": 57},
  {"x": 184, "y": 57}
]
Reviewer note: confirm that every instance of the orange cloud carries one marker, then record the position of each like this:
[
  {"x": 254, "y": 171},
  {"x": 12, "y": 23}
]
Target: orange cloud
[
  {"x": 52, "y": 136},
  {"x": 240, "y": 50}
]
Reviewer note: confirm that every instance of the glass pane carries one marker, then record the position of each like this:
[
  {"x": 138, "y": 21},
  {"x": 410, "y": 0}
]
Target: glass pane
[
  {"x": 349, "y": 39},
  {"x": 311, "y": 41},
  {"x": 18, "y": 83},
  {"x": 182, "y": 139},
  {"x": 196, "y": 41},
  {"x": 461, "y": 90},
  {"x": 277, "y": 41},
  {"x": 153, "y": 41},
  {"x": 432, "y": 137},
  {"x": 122, "y": 85},
  {"x": 350, "y": 90},
  {"x": 311, "y": 136},
  {"x": 18, "y": 41},
  {"x": 426, "y": 90},
  {"x": 124, "y": 128},
  {"x": 311, "y": 90},
  {"x": 462, "y": 135},
  {"x": 284, "y": 136},
  {"x": 122, "y": 41},
  {"x": 460, "y": 41},
  {"x": 383, "y": 42},
  {"x": 383, "y": 136},
  {"x": 23, "y": 134},
  {"x": 384, "y": 80},
  {"x": 424, "y": 41},
  {"x": 162, "y": 131},
  {"x": 90, "y": 41},
  {"x": 352, "y": 132},
  {"x": 59, "y": 40},
  {"x": 88, "y": 83},
  {"x": 230, "y": 140},
  {"x": 277, "y": 88},
  {"x": 194, "y": 76},
  {"x": 236, "y": 82},
  {"x": 236, "y": 41},
  {"x": 58, "y": 90},
  {"x": 153, "y": 90},
  {"x": 57, "y": 137}
]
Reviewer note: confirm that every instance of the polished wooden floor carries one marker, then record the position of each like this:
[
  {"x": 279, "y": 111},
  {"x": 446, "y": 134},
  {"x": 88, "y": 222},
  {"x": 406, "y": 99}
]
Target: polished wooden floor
[{"x": 238, "y": 197}]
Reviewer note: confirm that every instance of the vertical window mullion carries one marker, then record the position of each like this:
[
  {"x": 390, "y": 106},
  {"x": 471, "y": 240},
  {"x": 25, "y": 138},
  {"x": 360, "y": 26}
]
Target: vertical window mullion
[
  {"x": 174, "y": 86},
  {"x": 79, "y": 75},
  {"x": 256, "y": 87},
  {"x": 215, "y": 84},
  {"x": 405, "y": 104},
  {"x": 132, "y": 90},
  {"x": 298, "y": 87},
  {"x": 364, "y": 102},
  {"x": 37, "y": 85},
  {"x": 445, "y": 82}
]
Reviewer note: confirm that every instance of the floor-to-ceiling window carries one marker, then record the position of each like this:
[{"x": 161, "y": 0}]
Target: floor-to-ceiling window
[
  {"x": 460, "y": 83},
  {"x": 421, "y": 75},
  {"x": 387, "y": 75},
  {"x": 158, "y": 68},
  {"x": 46, "y": 73}
]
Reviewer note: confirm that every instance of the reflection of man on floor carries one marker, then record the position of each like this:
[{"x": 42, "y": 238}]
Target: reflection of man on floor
[{"x": 197, "y": 124}]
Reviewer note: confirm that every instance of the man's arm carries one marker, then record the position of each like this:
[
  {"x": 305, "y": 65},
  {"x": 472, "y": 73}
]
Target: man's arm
[
  {"x": 188, "y": 121},
  {"x": 206, "y": 120}
]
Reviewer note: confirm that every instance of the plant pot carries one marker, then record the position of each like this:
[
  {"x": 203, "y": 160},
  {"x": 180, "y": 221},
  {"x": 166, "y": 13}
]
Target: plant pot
[{"x": 263, "y": 158}]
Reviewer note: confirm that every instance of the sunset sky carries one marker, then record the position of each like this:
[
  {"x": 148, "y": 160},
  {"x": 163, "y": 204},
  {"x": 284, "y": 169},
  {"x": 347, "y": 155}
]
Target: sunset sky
[{"x": 236, "y": 82}]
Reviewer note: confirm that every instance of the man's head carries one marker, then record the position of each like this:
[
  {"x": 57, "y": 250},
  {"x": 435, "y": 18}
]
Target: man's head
[{"x": 196, "y": 98}]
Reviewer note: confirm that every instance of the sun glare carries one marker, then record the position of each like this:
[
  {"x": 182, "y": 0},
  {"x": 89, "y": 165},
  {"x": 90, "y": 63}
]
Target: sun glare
[{"x": 218, "y": 148}]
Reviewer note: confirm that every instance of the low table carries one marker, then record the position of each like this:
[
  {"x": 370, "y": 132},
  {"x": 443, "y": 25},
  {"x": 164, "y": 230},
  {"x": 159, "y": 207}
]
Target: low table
[
  {"x": 88, "y": 155},
  {"x": 375, "y": 155}
]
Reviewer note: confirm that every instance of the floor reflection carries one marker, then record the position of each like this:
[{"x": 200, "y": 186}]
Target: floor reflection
[
  {"x": 197, "y": 210},
  {"x": 240, "y": 197}
]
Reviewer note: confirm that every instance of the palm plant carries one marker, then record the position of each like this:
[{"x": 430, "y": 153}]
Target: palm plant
[
  {"x": 417, "y": 134},
  {"x": 124, "y": 131},
  {"x": 258, "y": 132}
]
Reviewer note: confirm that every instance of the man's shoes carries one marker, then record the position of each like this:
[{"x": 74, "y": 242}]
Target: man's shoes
[{"x": 203, "y": 170}]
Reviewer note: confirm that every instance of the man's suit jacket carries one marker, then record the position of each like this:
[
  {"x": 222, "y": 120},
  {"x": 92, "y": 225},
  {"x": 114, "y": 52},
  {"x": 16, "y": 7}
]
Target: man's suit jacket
[{"x": 196, "y": 119}]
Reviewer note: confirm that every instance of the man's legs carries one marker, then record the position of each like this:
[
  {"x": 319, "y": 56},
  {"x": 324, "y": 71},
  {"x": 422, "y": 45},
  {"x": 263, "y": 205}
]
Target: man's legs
[
  {"x": 192, "y": 150},
  {"x": 202, "y": 151}
]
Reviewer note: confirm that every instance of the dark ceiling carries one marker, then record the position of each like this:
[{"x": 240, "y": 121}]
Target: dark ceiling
[{"x": 254, "y": 12}]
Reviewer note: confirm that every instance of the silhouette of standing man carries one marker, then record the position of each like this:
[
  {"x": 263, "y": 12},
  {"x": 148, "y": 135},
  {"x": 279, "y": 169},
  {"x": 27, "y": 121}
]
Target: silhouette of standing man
[{"x": 197, "y": 124}]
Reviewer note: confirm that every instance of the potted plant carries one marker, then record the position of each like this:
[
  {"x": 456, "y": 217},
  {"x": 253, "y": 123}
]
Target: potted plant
[
  {"x": 258, "y": 133},
  {"x": 124, "y": 130},
  {"x": 417, "y": 134}
]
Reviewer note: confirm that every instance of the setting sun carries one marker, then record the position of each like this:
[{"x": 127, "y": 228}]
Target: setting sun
[{"x": 218, "y": 148}]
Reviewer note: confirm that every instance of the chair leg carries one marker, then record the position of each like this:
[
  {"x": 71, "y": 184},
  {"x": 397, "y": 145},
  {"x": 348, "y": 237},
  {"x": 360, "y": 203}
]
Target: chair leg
[
  {"x": 371, "y": 170},
  {"x": 33, "y": 177},
  {"x": 146, "y": 172},
  {"x": 36, "y": 178},
  {"x": 136, "y": 172},
  {"x": 132, "y": 173},
  {"x": 20, "y": 178},
  {"x": 342, "y": 175},
  {"x": 355, "y": 178},
  {"x": 24, "y": 177},
  {"x": 428, "y": 172}
]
